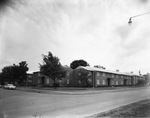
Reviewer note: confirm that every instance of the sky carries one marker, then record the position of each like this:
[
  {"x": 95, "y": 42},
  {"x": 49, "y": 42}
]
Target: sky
[{"x": 96, "y": 31}]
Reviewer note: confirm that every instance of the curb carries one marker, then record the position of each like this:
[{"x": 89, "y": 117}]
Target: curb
[{"x": 74, "y": 93}]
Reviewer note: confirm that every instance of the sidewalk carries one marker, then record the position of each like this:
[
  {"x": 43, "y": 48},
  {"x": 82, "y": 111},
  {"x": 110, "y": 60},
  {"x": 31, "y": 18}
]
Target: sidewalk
[{"x": 75, "y": 90}]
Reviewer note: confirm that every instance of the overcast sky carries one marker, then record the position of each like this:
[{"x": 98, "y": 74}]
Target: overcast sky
[{"x": 96, "y": 31}]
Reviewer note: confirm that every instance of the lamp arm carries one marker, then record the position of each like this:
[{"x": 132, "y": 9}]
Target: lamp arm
[{"x": 139, "y": 15}]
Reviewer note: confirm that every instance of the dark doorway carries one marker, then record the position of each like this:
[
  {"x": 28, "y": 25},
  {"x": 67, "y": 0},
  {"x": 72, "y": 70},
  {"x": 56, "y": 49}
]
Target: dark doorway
[
  {"x": 42, "y": 80},
  {"x": 132, "y": 81},
  {"x": 108, "y": 81},
  {"x": 125, "y": 82}
]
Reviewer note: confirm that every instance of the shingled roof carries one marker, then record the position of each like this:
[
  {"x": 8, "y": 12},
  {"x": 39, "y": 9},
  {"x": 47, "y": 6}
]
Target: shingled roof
[{"x": 107, "y": 71}]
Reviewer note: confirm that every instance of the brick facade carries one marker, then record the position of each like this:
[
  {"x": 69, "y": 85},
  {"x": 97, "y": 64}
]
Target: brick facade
[{"x": 102, "y": 77}]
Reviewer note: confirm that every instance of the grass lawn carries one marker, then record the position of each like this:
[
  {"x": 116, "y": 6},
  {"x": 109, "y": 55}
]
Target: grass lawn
[{"x": 139, "y": 109}]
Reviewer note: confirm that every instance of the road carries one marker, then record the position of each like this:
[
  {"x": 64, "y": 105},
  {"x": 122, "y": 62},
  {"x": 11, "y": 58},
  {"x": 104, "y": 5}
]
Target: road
[{"x": 20, "y": 104}]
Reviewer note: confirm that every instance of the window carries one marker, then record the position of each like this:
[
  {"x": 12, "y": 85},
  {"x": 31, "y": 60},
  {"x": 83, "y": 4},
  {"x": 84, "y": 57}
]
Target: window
[
  {"x": 39, "y": 74},
  {"x": 112, "y": 82},
  {"x": 39, "y": 81},
  {"x": 98, "y": 82},
  {"x": 128, "y": 82},
  {"x": 103, "y": 82},
  {"x": 116, "y": 82},
  {"x": 98, "y": 74},
  {"x": 29, "y": 80},
  {"x": 112, "y": 75},
  {"x": 29, "y": 76},
  {"x": 104, "y": 74},
  {"x": 79, "y": 82},
  {"x": 90, "y": 79},
  {"x": 67, "y": 73},
  {"x": 134, "y": 77},
  {"x": 121, "y": 82},
  {"x": 47, "y": 81},
  {"x": 89, "y": 74},
  {"x": 129, "y": 77},
  {"x": 67, "y": 81},
  {"x": 116, "y": 76},
  {"x": 79, "y": 74},
  {"x": 134, "y": 81},
  {"x": 137, "y": 81}
]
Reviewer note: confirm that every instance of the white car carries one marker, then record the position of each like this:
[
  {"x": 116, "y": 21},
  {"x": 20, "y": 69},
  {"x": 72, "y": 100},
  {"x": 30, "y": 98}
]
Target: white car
[{"x": 9, "y": 86}]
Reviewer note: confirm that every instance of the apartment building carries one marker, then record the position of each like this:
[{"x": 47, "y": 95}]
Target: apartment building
[
  {"x": 102, "y": 77},
  {"x": 40, "y": 79}
]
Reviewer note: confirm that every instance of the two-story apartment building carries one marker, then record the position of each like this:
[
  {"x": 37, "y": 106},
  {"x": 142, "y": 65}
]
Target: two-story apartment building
[
  {"x": 40, "y": 79},
  {"x": 102, "y": 77}
]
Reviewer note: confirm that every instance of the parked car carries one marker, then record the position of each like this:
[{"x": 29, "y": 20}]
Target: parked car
[{"x": 9, "y": 86}]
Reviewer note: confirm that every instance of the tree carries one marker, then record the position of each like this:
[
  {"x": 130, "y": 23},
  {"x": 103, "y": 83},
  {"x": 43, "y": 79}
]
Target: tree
[
  {"x": 22, "y": 71},
  {"x": 7, "y": 74},
  {"x": 15, "y": 73},
  {"x": 98, "y": 66},
  {"x": 9, "y": 3},
  {"x": 84, "y": 78},
  {"x": 4, "y": 4},
  {"x": 77, "y": 63},
  {"x": 52, "y": 68},
  {"x": 1, "y": 79}
]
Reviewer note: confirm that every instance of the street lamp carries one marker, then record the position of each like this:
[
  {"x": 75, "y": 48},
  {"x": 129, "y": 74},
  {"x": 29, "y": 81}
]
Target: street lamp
[{"x": 130, "y": 19}]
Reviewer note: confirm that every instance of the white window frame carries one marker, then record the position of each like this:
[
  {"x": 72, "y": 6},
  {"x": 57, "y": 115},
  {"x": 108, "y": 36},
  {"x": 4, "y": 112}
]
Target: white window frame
[
  {"x": 47, "y": 81},
  {"x": 112, "y": 75},
  {"x": 121, "y": 82},
  {"x": 104, "y": 82},
  {"x": 116, "y": 76},
  {"x": 39, "y": 74},
  {"x": 104, "y": 74},
  {"x": 67, "y": 81},
  {"x": 116, "y": 82},
  {"x": 68, "y": 73},
  {"x": 98, "y": 82},
  {"x": 98, "y": 74}
]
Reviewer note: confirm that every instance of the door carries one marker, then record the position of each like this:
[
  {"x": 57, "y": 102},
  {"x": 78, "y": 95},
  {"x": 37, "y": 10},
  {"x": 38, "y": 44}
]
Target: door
[{"x": 108, "y": 81}]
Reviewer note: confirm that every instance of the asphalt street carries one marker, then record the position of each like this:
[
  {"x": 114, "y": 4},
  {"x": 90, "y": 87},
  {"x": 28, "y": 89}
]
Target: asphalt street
[{"x": 23, "y": 104}]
